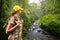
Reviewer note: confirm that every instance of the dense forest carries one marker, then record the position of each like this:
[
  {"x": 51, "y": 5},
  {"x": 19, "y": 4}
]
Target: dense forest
[
  {"x": 47, "y": 13},
  {"x": 51, "y": 20}
]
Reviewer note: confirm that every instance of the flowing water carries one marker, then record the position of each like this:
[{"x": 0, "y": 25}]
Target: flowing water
[{"x": 35, "y": 32}]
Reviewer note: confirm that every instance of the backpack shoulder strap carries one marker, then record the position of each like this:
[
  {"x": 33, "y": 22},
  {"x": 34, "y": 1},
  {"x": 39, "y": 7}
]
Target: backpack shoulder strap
[{"x": 6, "y": 22}]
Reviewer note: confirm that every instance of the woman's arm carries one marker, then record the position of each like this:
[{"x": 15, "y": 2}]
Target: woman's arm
[{"x": 9, "y": 27}]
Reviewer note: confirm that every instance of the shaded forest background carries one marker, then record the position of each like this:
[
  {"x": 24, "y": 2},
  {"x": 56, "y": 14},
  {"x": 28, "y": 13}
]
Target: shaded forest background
[{"x": 47, "y": 14}]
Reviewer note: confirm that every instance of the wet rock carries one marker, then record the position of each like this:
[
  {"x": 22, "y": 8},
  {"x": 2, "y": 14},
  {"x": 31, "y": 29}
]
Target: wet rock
[{"x": 35, "y": 32}]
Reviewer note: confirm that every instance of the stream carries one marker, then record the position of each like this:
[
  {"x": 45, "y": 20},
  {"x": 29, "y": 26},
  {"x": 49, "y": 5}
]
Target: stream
[{"x": 35, "y": 32}]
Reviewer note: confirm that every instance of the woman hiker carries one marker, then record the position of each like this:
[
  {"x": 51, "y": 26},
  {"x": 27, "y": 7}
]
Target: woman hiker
[{"x": 14, "y": 24}]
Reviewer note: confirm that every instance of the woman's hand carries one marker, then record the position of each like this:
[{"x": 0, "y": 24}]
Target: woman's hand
[{"x": 18, "y": 23}]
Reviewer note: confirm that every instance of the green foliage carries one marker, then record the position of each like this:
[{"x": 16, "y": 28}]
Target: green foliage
[
  {"x": 51, "y": 23},
  {"x": 50, "y": 6},
  {"x": 35, "y": 39},
  {"x": 50, "y": 20},
  {"x": 34, "y": 10},
  {"x": 24, "y": 38}
]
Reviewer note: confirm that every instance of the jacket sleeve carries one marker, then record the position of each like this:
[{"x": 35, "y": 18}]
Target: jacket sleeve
[{"x": 11, "y": 21}]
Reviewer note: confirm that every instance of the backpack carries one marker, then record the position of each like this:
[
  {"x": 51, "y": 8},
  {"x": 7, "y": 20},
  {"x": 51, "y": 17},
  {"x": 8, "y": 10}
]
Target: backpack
[
  {"x": 6, "y": 23},
  {"x": 15, "y": 19}
]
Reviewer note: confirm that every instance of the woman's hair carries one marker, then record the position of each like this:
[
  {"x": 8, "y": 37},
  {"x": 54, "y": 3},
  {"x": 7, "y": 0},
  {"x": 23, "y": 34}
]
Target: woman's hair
[{"x": 13, "y": 13}]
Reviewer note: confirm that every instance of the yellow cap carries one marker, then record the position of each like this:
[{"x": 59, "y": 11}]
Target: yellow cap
[{"x": 16, "y": 8}]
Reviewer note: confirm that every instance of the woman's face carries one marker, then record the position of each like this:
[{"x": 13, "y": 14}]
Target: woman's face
[{"x": 18, "y": 13}]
